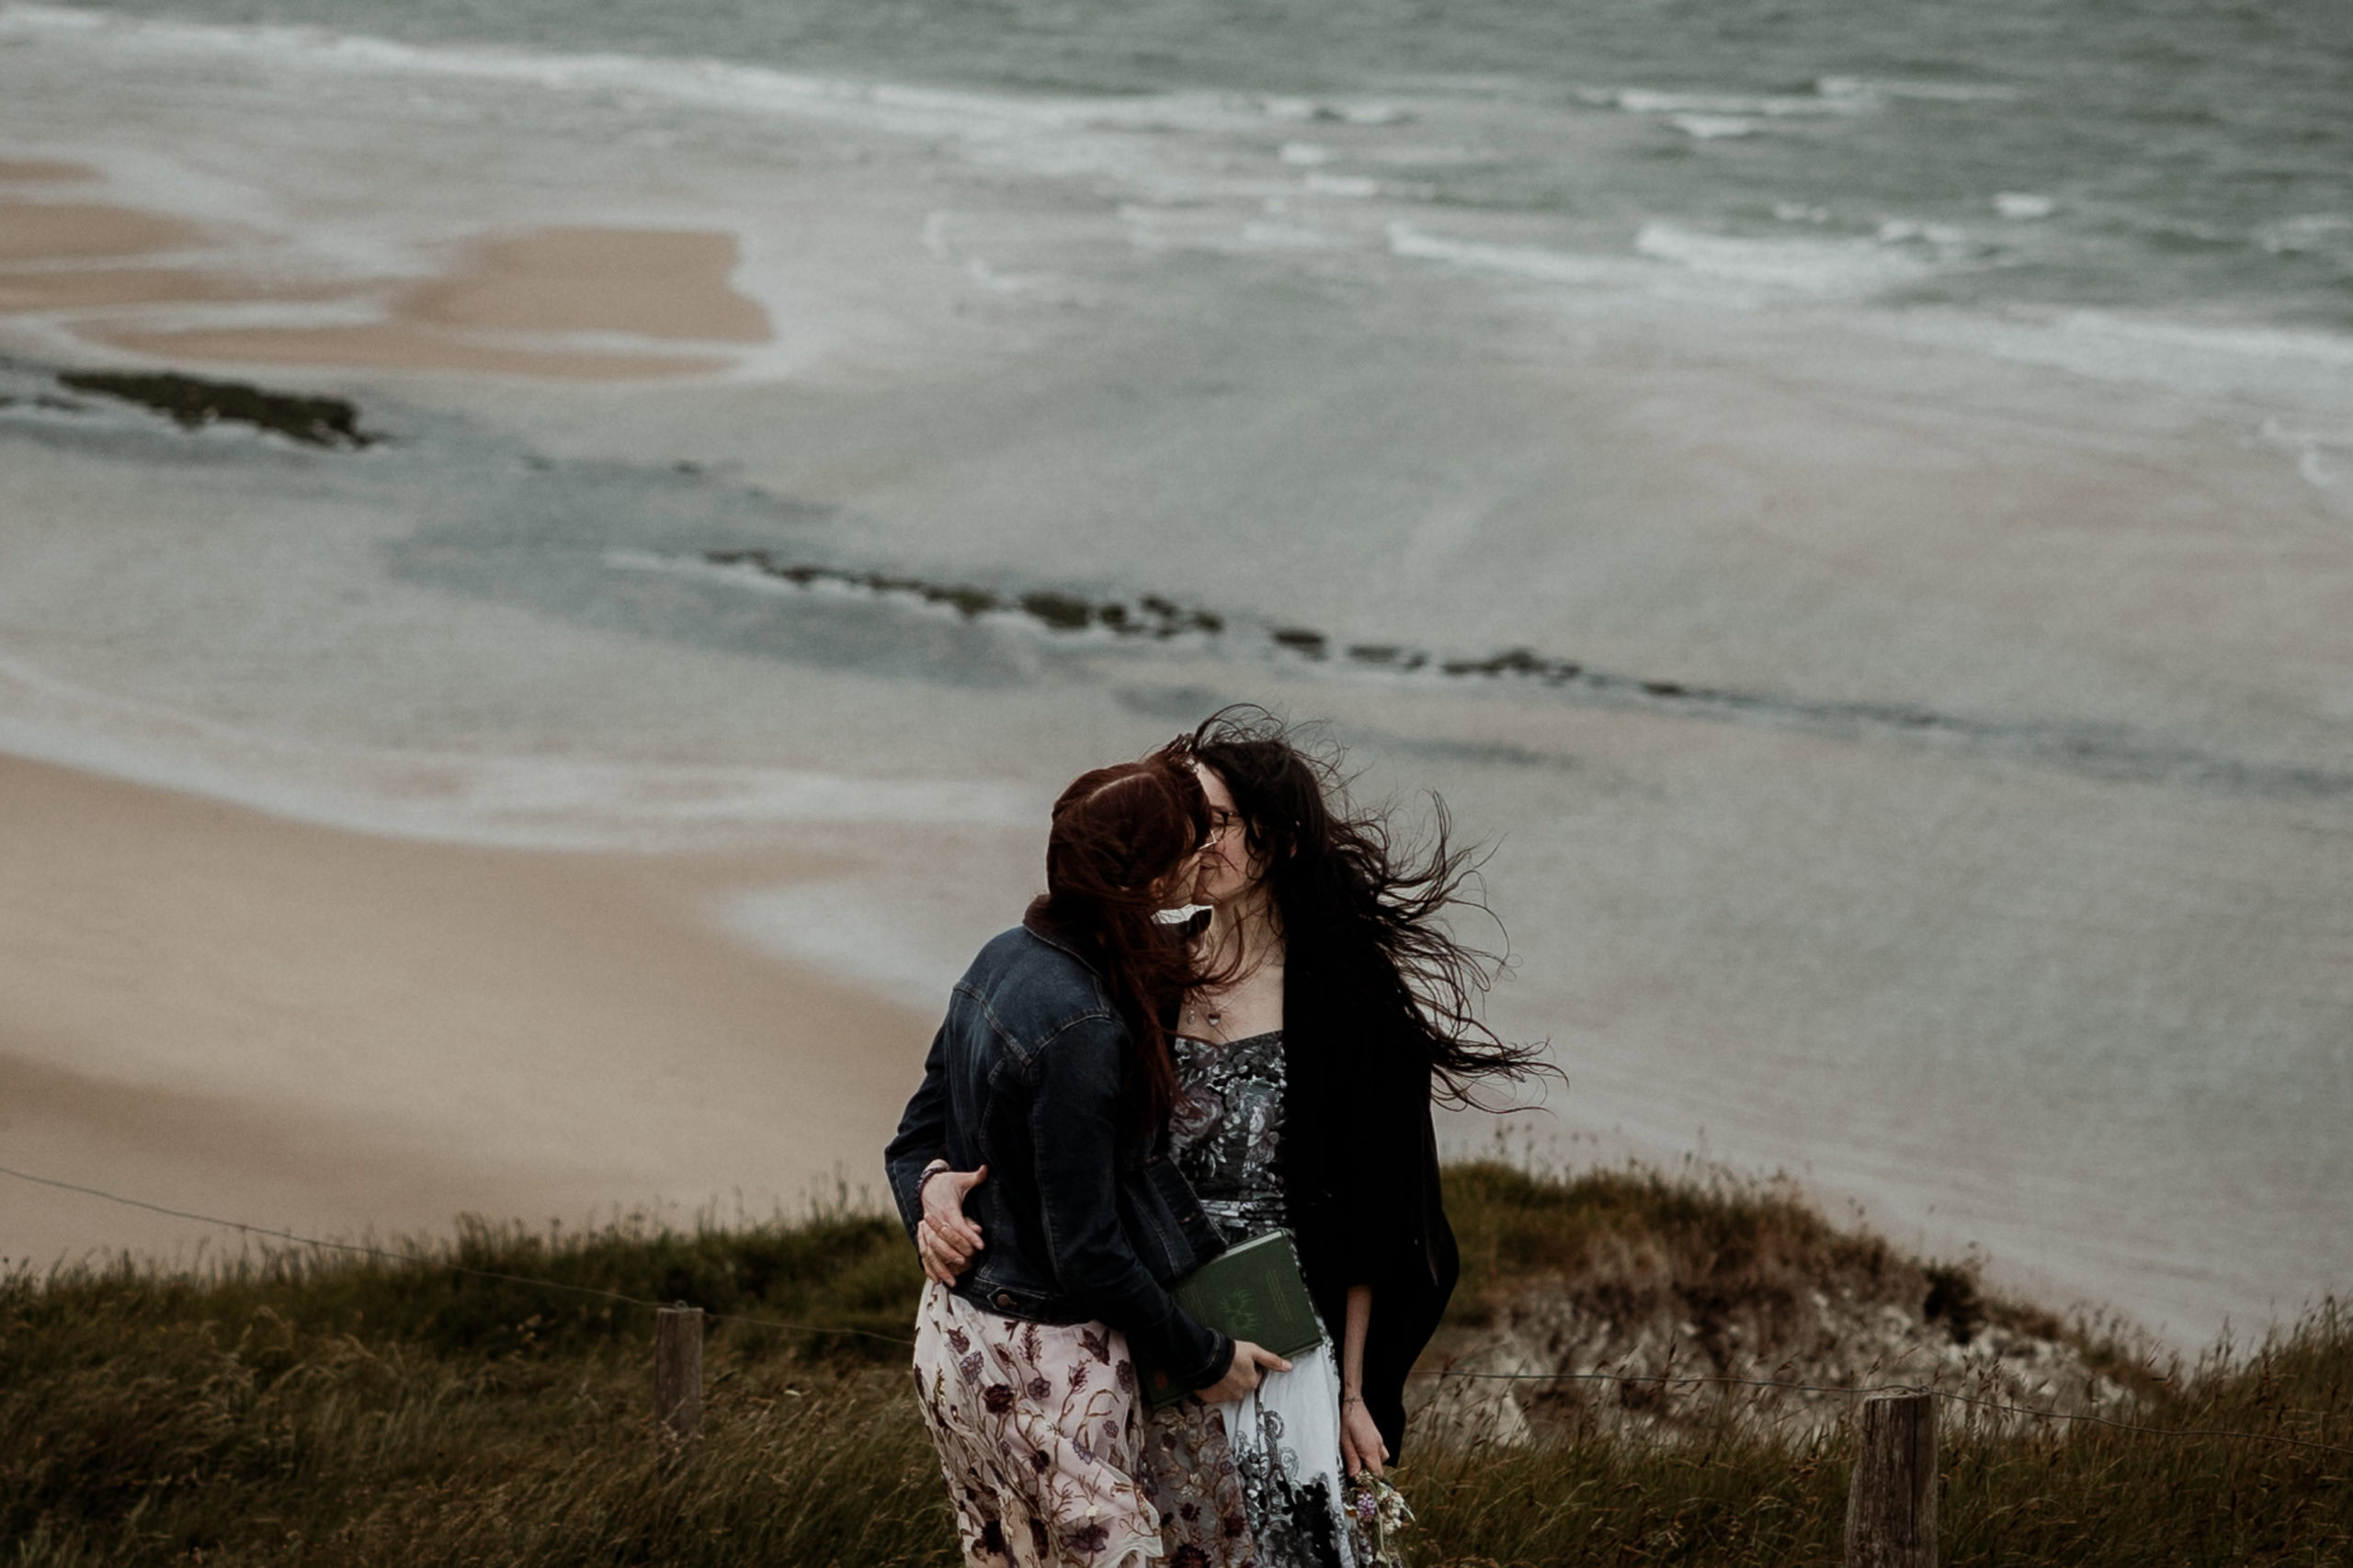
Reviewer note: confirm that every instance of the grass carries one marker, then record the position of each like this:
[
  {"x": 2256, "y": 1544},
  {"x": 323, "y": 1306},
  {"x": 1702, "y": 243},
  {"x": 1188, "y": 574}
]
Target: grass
[
  {"x": 1623, "y": 1231},
  {"x": 292, "y": 1408}
]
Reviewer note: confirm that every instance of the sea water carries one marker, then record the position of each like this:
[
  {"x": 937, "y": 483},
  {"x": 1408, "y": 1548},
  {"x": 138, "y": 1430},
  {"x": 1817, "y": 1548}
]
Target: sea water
[{"x": 1854, "y": 507}]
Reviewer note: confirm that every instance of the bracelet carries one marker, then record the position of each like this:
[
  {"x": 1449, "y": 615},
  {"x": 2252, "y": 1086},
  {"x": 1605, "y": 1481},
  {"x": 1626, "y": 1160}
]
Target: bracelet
[{"x": 930, "y": 1171}]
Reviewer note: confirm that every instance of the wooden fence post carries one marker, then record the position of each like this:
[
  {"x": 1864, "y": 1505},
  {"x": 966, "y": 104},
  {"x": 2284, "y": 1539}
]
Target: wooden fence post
[
  {"x": 678, "y": 1375},
  {"x": 1892, "y": 1499}
]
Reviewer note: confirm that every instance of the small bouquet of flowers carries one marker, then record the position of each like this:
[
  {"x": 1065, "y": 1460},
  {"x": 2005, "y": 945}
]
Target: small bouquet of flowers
[{"x": 1378, "y": 1513}]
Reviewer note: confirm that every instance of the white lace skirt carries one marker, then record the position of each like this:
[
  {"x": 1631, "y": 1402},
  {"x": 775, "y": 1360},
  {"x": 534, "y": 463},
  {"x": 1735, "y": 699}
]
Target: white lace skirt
[{"x": 1256, "y": 1483}]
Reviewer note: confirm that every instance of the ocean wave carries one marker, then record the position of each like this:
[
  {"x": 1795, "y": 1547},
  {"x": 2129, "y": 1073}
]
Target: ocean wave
[
  {"x": 1519, "y": 261},
  {"x": 1221, "y": 230},
  {"x": 1802, "y": 265},
  {"x": 1335, "y": 113},
  {"x": 2301, "y": 376},
  {"x": 1712, "y": 126},
  {"x": 1645, "y": 100},
  {"x": 2324, "y": 458},
  {"x": 2263, "y": 342},
  {"x": 1664, "y": 251},
  {"x": 1050, "y": 127},
  {"x": 1849, "y": 88},
  {"x": 2320, "y": 233}
]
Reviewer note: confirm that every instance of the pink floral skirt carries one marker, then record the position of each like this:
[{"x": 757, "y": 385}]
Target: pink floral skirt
[{"x": 1040, "y": 1436}]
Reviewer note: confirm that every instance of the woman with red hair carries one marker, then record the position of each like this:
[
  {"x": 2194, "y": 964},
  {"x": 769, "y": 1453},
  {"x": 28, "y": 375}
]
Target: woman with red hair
[{"x": 1052, "y": 1076}]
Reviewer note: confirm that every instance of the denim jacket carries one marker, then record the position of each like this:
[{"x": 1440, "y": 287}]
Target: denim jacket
[{"x": 1079, "y": 1222}]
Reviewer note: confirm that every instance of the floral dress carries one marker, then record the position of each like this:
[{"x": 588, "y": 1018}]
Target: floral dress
[
  {"x": 1256, "y": 1483},
  {"x": 1040, "y": 1436}
]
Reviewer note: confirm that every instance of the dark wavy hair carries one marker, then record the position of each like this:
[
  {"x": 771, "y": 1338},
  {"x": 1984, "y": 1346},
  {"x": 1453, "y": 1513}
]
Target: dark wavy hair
[
  {"x": 1117, "y": 831},
  {"x": 1342, "y": 884}
]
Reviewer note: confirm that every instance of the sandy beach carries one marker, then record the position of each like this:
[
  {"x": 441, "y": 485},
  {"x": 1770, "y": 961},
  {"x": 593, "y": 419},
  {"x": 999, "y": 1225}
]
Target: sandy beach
[
  {"x": 337, "y": 1034},
  {"x": 511, "y": 304}
]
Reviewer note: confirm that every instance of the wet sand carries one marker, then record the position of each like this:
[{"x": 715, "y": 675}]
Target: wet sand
[
  {"x": 217, "y": 1010},
  {"x": 67, "y": 230},
  {"x": 41, "y": 170},
  {"x": 647, "y": 282},
  {"x": 27, "y": 292},
  {"x": 513, "y": 304},
  {"x": 395, "y": 347}
]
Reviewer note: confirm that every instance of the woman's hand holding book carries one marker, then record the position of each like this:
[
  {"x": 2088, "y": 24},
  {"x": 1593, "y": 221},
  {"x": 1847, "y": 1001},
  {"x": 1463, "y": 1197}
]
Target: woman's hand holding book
[{"x": 1250, "y": 1363}]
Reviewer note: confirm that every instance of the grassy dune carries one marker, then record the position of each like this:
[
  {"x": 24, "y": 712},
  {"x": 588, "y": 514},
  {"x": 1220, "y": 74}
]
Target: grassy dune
[{"x": 292, "y": 1408}]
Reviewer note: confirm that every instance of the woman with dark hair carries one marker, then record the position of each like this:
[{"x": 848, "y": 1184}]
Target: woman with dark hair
[
  {"x": 1331, "y": 1006},
  {"x": 1051, "y": 1075}
]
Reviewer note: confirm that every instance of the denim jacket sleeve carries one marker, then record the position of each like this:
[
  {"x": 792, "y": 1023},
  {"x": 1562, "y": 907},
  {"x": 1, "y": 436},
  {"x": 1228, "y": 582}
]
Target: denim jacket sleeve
[
  {"x": 922, "y": 1136},
  {"x": 1075, "y": 1125}
]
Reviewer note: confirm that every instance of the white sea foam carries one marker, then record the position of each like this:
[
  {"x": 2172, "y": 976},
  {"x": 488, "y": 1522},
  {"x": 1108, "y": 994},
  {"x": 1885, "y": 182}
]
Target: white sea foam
[
  {"x": 1223, "y": 231},
  {"x": 1904, "y": 230},
  {"x": 1713, "y": 126},
  {"x": 1802, "y": 265},
  {"x": 1293, "y": 108},
  {"x": 1818, "y": 269},
  {"x": 2245, "y": 343},
  {"x": 2324, "y": 457},
  {"x": 1847, "y": 88},
  {"x": 1045, "y": 134},
  {"x": 1642, "y": 100},
  {"x": 1519, "y": 261},
  {"x": 2303, "y": 377},
  {"x": 2020, "y": 204},
  {"x": 2309, "y": 232}
]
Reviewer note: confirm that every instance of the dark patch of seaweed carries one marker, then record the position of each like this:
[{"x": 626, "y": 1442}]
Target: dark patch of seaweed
[
  {"x": 1057, "y": 611},
  {"x": 2102, "y": 753},
  {"x": 193, "y": 403}
]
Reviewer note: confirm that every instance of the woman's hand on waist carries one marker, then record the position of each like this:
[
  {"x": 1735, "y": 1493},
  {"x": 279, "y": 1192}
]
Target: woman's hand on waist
[{"x": 946, "y": 1237}]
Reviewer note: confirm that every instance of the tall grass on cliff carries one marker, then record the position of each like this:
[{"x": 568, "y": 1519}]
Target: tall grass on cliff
[{"x": 288, "y": 1408}]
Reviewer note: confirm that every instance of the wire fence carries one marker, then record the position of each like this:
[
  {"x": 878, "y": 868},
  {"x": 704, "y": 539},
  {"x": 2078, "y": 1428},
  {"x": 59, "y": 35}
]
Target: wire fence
[
  {"x": 1654, "y": 1379},
  {"x": 419, "y": 1260},
  {"x": 1671, "y": 1379}
]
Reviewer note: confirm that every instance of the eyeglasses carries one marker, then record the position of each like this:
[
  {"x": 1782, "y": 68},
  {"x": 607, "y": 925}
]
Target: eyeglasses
[{"x": 1221, "y": 824}]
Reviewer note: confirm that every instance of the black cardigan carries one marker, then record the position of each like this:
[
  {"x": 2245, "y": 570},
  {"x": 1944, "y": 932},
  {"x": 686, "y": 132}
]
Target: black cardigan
[{"x": 1360, "y": 1171}]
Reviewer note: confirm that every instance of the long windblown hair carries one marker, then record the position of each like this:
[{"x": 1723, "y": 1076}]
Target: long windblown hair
[
  {"x": 1343, "y": 885},
  {"x": 1118, "y": 834}
]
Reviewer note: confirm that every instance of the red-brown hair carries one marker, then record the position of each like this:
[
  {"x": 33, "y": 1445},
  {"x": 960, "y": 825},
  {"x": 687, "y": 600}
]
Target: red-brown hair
[{"x": 1117, "y": 832}]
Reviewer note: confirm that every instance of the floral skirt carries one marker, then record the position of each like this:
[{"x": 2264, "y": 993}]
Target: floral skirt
[
  {"x": 1257, "y": 1482},
  {"x": 1040, "y": 1435}
]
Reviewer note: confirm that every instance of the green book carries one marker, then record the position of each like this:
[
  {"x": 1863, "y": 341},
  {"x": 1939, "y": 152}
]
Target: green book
[{"x": 1253, "y": 1291}]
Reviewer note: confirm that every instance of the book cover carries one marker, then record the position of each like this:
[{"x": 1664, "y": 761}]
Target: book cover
[{"x": 1253, "y": 1291}]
